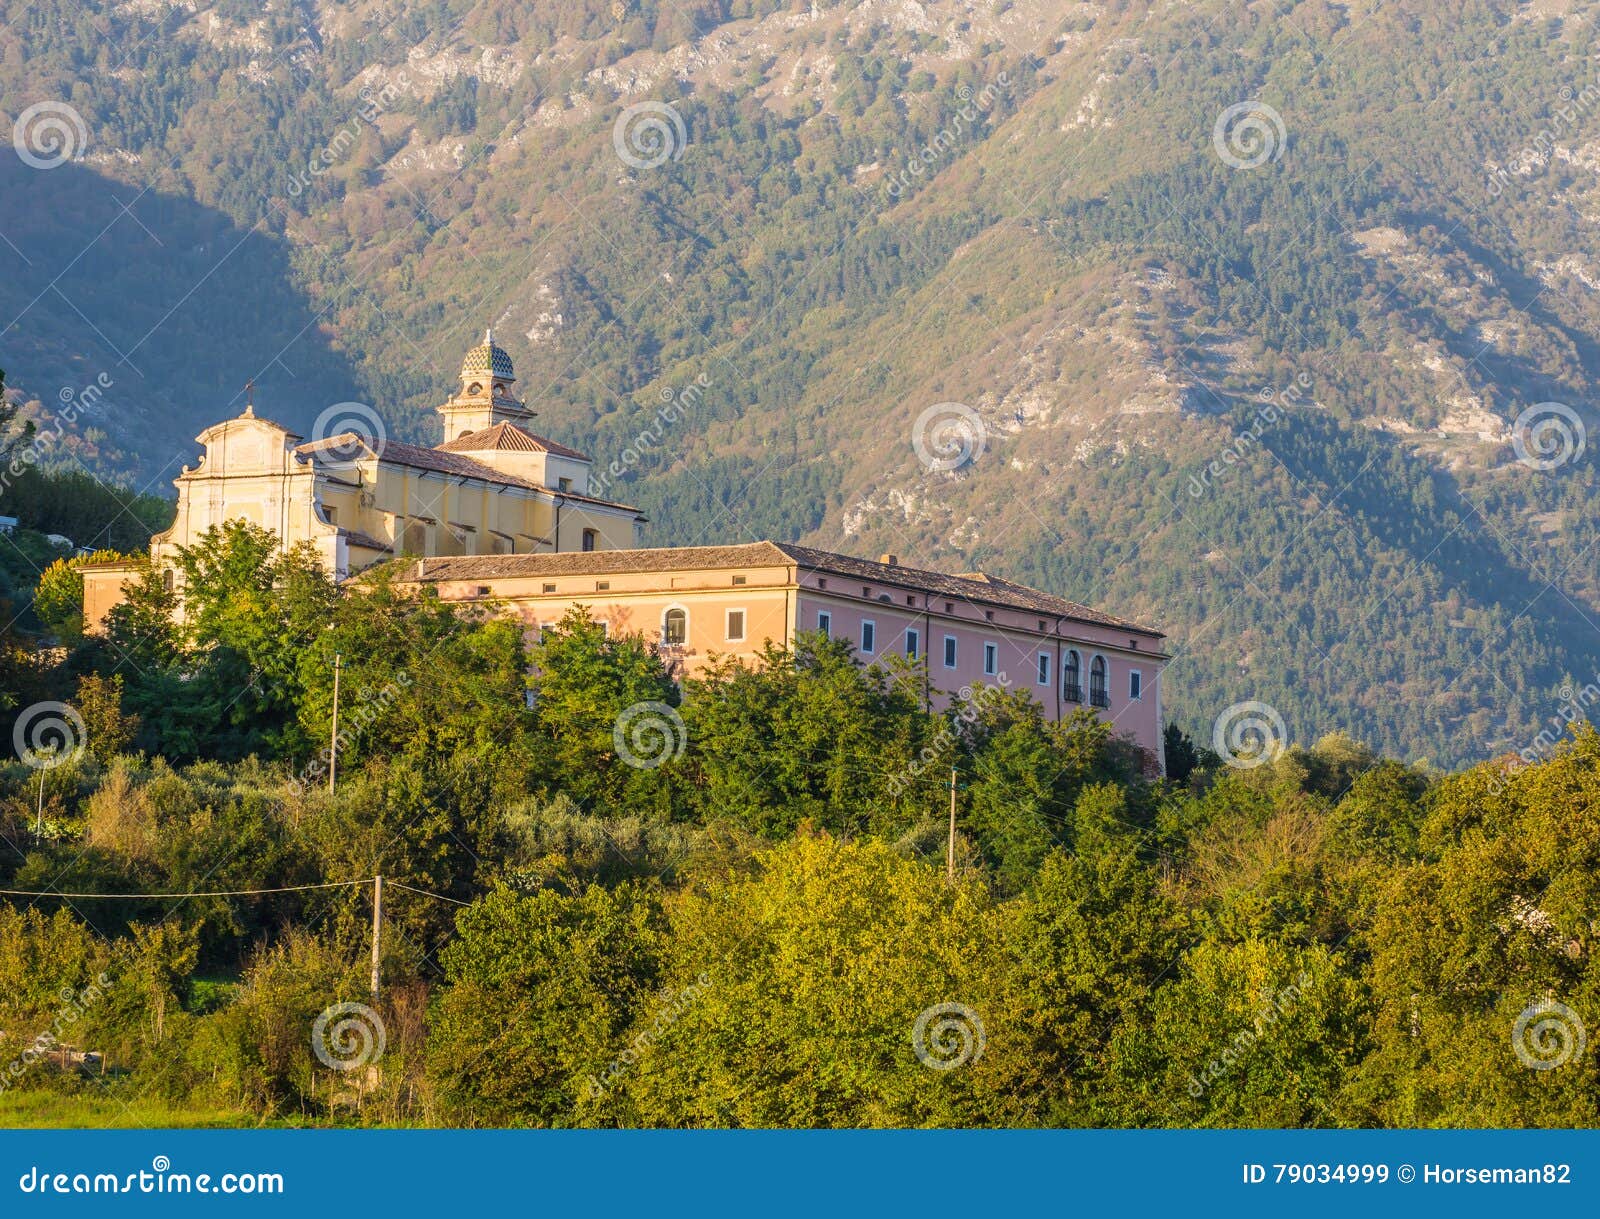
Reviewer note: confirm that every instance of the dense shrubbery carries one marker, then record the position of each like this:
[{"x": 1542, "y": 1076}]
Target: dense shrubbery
[{"x": 750, "y": 933}]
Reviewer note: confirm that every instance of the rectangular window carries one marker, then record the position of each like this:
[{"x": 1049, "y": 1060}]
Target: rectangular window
[
  {"x": 1044, "y": 668},
  {"x": 913, "y": 644},
  {"x": 949, "y": 651},
  {"x": 738, "y": 580},
  {"x": 563, "y": 484},
  {"x": 825, "y": 624},
  {"x": 1135, "y": 684},
  {"x": 869, "y": 637},
  {"x": 549, "y": 588},
  {"x": 735, "y": 626},
  {"x": 991, "y": 659},
  {"x": 601, "y": 586}
]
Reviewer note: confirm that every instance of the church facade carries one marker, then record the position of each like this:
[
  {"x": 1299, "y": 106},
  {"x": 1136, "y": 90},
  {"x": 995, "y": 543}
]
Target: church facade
[
  {"x": 498, "y": 514},
  {"x": 491, "y": 487}
]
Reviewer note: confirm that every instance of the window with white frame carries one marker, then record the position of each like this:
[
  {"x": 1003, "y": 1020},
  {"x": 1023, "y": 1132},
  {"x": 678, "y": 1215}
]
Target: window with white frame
[
  {"x": 913, "y": 644},
  {"x": 869, "y": 637},
  {"x": 1044, "y": 668},
  {"x": 991, "y": 659},
  {"x": 735, "y": 625},
  {"x": 1135, "y": 683},
  {"x": 949, "y": 651},
  {"x": 825, "y": 623}
]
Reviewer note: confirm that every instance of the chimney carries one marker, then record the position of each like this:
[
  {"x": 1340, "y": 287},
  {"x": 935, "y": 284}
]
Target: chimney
[{"x": 889, "y": 560}]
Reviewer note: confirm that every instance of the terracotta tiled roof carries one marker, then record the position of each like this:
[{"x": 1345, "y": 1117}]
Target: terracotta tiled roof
[
  {"x": 508, "y": 436},
  {"x": 597, "y": 562},
  {"x": 976, "y": 588},
  {"x": 968, "y": 587},
  {"x": 349, "y": 447}
]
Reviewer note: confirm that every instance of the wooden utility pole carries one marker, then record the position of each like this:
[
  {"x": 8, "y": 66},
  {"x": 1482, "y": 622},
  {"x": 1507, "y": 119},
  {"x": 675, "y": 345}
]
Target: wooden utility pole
[
  {"x": 950, "y": 846},
  {"x": 333, "y": 740},
  {"x": 377, "y": 931}
]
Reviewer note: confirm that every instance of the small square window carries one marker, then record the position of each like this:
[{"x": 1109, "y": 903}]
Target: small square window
[
  {"x": 913, "y": 644},
  {"x": 866, "y": 591},
  {"x": 988, "y": 615},
  {"x": 549, "y": 588},
  {"x": 737, "y": 580},
  {"x": 735, "y": 626},
  {"x": 484, "y": 590},
  {"x": 869, "y": 637},
  {"x": 1044, "y": 668},
  {"x": 910, "y": 599},
  {"x": 822, "y": 583},
  {"x": 1042, "y": 626},
  {"x": 825, "y": 624},
  {"x": 601, "y": 586},
  {"x": 1134, "y": 644},
  {"x": 949, "y": 607},
  {"x": 949, "y": 651},
  {"x": 991, "y": 659},
  {"x": 563, "y": 484}
]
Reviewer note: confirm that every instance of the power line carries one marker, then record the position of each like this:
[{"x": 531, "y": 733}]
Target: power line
[{"x": 336, "y": 884}]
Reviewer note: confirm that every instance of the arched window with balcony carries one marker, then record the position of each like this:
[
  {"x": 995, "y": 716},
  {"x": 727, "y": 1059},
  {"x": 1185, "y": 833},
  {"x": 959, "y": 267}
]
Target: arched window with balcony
[
  {"x": 1072, "y": 677},
  {"x": 675, "y": 628},
  {"x": 1099, "y": 694}
]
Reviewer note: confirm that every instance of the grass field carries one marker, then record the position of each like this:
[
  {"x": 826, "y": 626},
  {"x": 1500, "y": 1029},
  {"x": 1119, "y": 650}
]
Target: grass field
[{"x": 41, "y": 1110}]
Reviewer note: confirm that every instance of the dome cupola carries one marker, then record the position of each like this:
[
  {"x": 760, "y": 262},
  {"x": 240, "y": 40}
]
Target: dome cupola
[{"x": 486, "y": 372}]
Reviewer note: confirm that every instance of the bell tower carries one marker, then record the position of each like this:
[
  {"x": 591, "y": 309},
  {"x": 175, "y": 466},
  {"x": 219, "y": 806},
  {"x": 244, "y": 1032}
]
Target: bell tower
[{"x": 484, "y": 397}]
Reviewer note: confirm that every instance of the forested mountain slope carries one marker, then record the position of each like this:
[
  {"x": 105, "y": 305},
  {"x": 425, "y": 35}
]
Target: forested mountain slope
[{"x": 1250, "y": 374}]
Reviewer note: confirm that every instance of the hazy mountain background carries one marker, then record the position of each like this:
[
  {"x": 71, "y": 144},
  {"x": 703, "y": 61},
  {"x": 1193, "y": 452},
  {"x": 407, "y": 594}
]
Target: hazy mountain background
[{"x": 1265, "y": 399}]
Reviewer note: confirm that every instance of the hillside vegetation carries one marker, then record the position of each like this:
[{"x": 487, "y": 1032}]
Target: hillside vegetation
[
  {"x": 1265, "y": 400},
  {"x": 617, "y": 902}
]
